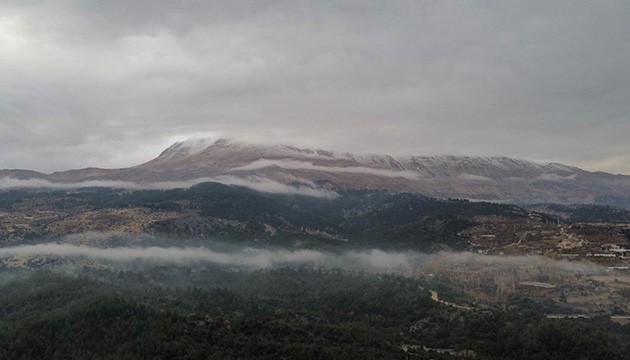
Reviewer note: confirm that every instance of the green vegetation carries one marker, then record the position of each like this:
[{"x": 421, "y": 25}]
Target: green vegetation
[
  {"x": 355, "y": 218},
  {"x": 203, "y": 311},
  {"x": 300, "y": 313}
]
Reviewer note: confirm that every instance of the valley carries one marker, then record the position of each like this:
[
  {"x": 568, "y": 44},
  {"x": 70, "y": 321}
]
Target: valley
[{"x": 355, "y": 218}]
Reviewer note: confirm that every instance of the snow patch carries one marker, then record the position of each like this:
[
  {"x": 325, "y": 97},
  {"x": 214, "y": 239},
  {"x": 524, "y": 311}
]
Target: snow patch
[{"x": 303, "y": 165}]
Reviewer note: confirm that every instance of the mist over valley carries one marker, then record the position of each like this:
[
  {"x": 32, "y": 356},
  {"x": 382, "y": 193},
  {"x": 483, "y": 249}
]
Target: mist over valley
[
  {"x": 221, "y": 260},
  {"x": 297, "y": 180}
]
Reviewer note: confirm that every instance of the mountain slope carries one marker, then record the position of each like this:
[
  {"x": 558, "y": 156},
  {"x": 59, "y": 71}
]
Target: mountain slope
[{"x": 488, "y": 178}]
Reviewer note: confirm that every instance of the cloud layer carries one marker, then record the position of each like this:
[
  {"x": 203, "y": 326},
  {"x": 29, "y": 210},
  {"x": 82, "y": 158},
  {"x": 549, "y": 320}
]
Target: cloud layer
[
  {"x": 305, "y": 165},
  {"x": 255, "y": 183},
  {"x": 375, "y": 260},
  {"x": 407, "y": 262},
  {"x": 112, "y": 83}
]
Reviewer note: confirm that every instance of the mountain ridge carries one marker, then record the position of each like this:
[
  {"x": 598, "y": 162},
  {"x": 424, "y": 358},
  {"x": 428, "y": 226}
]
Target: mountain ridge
[{"x": 495, "y": 178}]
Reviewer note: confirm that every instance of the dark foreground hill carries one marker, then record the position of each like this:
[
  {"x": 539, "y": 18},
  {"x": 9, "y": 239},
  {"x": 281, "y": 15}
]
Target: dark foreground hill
[{"x": 204, "y": 312}]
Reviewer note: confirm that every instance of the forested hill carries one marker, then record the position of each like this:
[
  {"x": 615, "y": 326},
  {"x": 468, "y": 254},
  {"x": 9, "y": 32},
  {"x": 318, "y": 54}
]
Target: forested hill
[
  {"x": 210, "y": 313},
  {"x": 211, "y": 210}
]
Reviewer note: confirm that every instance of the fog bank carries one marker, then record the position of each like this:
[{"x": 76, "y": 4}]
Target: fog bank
[
  {"x": 407, "y": 262},
  {"x": 249, "y": 257},
  {"x": 256, "y": 183}
]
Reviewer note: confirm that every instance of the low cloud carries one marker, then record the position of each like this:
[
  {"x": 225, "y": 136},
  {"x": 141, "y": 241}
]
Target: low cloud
[
  {"x": 255, "y": 183},
  {"x": 12, "y": 183},
  {"x": 526, "y": 265},
  {"x": 555, "y": 177},
  {"x": 376, "y": 260},
  {"x": 304, "y": 165},
  {"x": 472, "y": 177},
  {"x": 502, "y": 268},
  {"x": 269, "y": 186}
]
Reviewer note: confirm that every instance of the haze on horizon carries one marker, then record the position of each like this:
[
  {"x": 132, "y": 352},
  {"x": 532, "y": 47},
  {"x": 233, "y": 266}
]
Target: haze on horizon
[{"x": 113, "y": 83}]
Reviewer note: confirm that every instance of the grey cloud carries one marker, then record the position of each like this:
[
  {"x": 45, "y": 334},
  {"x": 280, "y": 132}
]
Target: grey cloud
[
  {"x": 375, "y": 260},
  {"x": 516, "y": 268},
  {"x": 474, "y": 177},
  {"x": 305, "y": 165},
  {"x": 111, "y": 83},
  {"x": 255, "y": 183}
]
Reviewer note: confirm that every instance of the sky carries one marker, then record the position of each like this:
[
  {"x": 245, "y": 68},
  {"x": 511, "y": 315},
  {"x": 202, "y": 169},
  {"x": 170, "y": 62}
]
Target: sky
[{"x": 113, "y": 83}]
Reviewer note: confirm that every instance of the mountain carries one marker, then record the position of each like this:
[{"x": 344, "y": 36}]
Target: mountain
[{"x": 483, "y": 178}]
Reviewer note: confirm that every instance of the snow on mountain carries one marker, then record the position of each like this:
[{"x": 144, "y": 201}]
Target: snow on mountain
[{"x": 490, "y": 178}]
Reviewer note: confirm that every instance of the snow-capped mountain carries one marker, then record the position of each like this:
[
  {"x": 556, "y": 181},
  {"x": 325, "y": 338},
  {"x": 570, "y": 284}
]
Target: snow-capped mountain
[{"x": 484, "y": 178}]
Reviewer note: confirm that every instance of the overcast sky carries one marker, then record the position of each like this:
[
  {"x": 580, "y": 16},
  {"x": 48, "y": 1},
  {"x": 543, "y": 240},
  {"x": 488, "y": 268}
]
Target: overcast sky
[{"x": 112, "y": 83}]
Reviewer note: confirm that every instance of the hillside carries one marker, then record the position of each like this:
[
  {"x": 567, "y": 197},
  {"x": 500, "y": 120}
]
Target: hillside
[{"x": 352, "y": 219}]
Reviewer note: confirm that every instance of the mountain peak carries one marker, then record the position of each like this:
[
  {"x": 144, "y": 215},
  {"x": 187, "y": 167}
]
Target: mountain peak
[
  {"x": 193, "y": 146},
  {"x": 492, "y": 178},
  {"x": 214, "y": 149}
]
